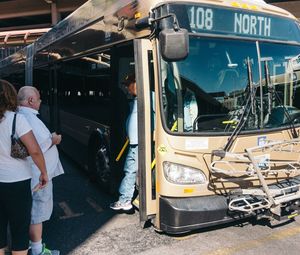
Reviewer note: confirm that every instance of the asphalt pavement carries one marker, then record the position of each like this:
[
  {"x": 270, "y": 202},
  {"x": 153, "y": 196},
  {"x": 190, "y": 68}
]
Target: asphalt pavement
[{"x": 83, "y": 224}]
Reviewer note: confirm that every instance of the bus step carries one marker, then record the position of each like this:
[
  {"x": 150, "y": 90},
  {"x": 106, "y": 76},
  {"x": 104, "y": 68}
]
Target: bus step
[{"x": 136, "y": 202}]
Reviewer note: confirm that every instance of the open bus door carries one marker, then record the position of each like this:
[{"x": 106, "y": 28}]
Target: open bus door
[
  {"x": 54, "y": 112},
  {"x": 145, "y": 90}
]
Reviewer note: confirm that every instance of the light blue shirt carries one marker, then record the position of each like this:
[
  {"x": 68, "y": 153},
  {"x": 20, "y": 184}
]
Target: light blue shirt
[
  {"x": 190, "y": 110},
  {"x": 131, "y": 123},
  {"x": 44, "y": 139}
]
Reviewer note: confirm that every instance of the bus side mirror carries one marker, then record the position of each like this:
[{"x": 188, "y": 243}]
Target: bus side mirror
[{"x": 174, "y": 45}]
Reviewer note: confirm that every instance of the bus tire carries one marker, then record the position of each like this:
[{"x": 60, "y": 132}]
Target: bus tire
[{"x": 98, "y": 162}]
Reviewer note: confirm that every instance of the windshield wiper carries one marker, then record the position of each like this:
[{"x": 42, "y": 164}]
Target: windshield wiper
[
  {"x": 249, "y": 106},
  {"x": 251, "y": 86},
  {"x": 269, "y": 86}
]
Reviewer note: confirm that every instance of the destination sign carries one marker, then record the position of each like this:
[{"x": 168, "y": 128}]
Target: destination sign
[{"x": 211, "y": 19}]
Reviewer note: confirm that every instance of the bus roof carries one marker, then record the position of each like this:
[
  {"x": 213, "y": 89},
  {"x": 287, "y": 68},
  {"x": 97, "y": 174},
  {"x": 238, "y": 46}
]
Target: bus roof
[
  {"x": 255, "y": 5},
  {"x": 95, "y": 10},
  {"x": 114, "y": 21}
]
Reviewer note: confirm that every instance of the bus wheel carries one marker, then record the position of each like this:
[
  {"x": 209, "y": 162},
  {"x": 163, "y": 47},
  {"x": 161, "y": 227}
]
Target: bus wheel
[{"x": 99, "y": 164}]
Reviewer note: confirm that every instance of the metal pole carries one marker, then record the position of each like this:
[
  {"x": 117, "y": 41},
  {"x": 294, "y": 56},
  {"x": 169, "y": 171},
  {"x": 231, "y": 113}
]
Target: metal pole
[{"x": 54, "y": 13}]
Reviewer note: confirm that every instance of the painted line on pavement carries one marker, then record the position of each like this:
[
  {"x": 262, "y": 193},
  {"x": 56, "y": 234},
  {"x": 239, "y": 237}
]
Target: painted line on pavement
[
  {"x": 180, "y": 238},
  {"x": 68, "y": 211},
  {"x": 94, "y": 205},
  {"x": 279, "y": 235}
]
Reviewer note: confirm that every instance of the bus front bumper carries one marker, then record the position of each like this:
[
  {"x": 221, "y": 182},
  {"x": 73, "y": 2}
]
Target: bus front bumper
[{"x": 184, "y": 214}]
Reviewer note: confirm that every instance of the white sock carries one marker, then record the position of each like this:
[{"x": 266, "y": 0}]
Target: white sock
[{"x": 36, "y": 247}]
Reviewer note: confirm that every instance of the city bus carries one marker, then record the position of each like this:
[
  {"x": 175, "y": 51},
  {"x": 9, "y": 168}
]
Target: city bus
[{"x": 218, "y": 104}]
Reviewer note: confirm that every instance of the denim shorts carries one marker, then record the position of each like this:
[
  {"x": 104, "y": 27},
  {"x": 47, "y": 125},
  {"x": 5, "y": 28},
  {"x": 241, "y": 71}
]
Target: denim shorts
[{"x": 42, "y": 204}]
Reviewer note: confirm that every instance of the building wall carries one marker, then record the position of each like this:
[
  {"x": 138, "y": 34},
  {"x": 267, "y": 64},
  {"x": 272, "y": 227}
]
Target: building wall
[
  {"x": 291, "y": 6},
  {"x": 23, "y": 21},
  {"x": 17, "y": 14}
]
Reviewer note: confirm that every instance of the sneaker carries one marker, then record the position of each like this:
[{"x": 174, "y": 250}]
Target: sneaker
[
  {"x": 46, "y": 251},
  {"x": 126, "y": 206}
]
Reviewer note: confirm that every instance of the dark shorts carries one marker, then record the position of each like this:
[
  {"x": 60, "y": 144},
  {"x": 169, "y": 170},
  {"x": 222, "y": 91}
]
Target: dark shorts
[{"x": 15, "y": 210}]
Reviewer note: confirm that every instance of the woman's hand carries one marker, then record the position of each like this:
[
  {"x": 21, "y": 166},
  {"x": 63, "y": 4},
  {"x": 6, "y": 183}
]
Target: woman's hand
[{"x": 37, "y": 156}]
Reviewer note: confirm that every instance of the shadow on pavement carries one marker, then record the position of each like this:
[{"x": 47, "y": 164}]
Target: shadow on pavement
[{"x": 80, "y": 210}]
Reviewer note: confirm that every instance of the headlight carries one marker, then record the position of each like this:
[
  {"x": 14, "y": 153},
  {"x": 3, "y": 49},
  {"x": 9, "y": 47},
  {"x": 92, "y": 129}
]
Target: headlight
[{"x": 181, "y": 174}]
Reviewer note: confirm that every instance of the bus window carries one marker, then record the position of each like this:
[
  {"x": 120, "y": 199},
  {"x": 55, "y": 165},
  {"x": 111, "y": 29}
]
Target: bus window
[
  {"x": 41, "y": 82},
  {"x": 84, "y": 87},
  {"x": 283, "y": 88},
  {"x": 215, "y": 76}
]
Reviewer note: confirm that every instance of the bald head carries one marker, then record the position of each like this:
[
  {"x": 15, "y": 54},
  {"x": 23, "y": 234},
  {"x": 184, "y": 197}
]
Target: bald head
[{"x": 29, "y": 96}]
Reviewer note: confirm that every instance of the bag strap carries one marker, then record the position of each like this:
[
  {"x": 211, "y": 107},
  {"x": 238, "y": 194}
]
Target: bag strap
[{"x": 13, "y": 127}]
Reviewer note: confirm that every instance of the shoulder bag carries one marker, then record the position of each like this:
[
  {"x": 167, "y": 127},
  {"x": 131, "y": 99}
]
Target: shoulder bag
[{"x": 18, "y": 149}]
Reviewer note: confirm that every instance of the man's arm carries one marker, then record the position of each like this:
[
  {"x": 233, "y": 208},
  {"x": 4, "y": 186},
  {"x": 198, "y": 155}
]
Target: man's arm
[{"x": 56, "y": 139}]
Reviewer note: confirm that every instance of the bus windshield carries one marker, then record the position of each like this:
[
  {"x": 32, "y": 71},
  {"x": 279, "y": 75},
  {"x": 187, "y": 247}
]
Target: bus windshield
[{"x": 224, "y": 84}]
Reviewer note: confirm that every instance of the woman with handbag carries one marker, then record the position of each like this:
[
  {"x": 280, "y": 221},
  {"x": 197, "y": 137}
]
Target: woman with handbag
[{"x": 15, "y": 172}]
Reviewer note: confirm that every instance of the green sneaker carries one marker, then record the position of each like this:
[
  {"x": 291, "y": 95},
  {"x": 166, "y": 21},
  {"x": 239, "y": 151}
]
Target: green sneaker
[{"x": 46, "y": 251}]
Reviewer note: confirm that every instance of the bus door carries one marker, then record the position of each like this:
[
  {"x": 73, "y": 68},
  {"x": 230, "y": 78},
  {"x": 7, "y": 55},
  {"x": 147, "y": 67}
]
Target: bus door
[
  {"x": 41, "y": 78},
  {"x": 146, "y": 115},
  {"x": 53, "y": 102}
]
